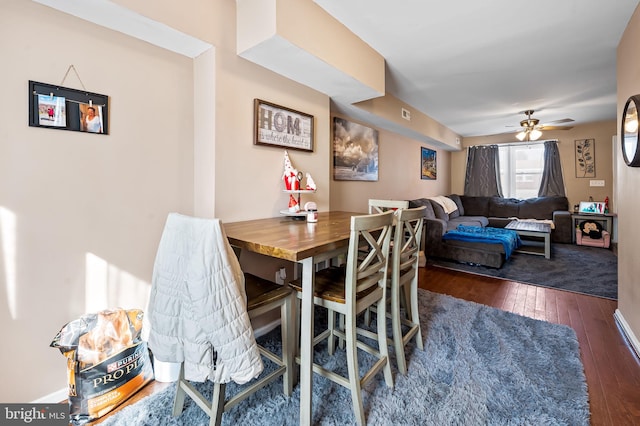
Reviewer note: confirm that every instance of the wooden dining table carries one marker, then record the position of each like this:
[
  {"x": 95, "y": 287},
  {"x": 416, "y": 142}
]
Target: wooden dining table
[{"x": 307, "y": 244}]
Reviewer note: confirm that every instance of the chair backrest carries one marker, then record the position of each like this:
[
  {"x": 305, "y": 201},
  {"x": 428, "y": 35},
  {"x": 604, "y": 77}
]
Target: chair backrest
[
  {"x": 367, "y": 259},
  {"x": 380, "y": 206},
  {"x": 406, "y": 244}
]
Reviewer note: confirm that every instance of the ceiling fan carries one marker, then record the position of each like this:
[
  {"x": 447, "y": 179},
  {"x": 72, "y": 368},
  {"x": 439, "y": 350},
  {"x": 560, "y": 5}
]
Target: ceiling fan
[{"x": 532, "y": 131}]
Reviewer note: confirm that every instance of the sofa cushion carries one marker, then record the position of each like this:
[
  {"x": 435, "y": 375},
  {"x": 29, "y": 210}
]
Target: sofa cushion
[
  {"x": 439, "y": 211},
  {"x": 503, "y": 207},
  {"x": 541, "y": 207},
  {"x": 456, "y": 199},
  {"x": 475, "y": 206},
  {"x": 419, "y": 202}
]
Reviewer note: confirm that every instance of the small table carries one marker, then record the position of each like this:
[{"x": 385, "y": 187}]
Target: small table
[{"x": 536, "y": 230}]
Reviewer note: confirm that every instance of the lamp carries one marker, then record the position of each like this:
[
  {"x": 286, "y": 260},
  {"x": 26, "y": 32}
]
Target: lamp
[
  {"x": 535, "y": 134},
  {"x": 529, "y": 131}
]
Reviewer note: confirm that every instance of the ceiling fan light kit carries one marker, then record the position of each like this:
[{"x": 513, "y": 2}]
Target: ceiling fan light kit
[{"x": 529, "y": 131}]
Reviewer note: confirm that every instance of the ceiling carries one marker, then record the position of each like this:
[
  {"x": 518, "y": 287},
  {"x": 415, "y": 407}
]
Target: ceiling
[{"x": 477, "y": 66}]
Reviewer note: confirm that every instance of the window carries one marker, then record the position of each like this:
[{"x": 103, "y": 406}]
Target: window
[{"x": 521, "y": 167}]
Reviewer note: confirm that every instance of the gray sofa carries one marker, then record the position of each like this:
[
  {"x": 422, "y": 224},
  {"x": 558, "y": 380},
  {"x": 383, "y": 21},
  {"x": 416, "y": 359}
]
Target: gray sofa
[{"x": 487, "y": 211}]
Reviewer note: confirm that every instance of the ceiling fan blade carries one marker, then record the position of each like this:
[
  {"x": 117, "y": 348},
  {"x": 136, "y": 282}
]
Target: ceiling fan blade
[
  {"x": 562, "y": 120},
  {"x": 555, "y": 127}
]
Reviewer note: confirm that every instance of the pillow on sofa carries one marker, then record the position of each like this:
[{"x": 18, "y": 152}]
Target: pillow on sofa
[
  {"x": 504, "y": 207},
  {"x": 475, "y": 206},
  {"x": 542, "y": 207},
  {"x": 439, "y": 210},
  {"x": 428, "y": 212},
  {"x": 456, "y": 199}
]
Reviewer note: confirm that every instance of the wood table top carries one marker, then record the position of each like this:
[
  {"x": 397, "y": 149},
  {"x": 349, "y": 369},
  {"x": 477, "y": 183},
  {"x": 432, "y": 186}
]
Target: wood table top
[{"x": 289, "y": 239}]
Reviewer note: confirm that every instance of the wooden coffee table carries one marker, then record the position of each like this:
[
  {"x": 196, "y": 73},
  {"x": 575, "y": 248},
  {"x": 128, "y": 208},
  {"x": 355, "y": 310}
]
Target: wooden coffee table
[{"x": 537, "y": 237}]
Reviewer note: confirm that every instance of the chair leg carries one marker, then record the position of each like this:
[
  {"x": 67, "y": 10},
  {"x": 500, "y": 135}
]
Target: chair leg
[
  {"x": 398, "y": 341},
  {"x": 217, "y": 404},
  {"x": 415, "y": 314},
  {"x": 287, "y": 315},
  {"x": 367, "y": 317},
  {"x": 178, "y": 399},
  {"x": 331, "y": 323},
  {"x": 341, "y": 325},
  {"x": 354, "y": 374},
  {"x": 382, "y": 340}
]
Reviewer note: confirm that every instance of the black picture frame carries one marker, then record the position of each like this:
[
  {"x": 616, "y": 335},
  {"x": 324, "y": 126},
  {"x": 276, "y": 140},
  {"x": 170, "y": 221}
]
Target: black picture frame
[{"x": 63, "y": 108}]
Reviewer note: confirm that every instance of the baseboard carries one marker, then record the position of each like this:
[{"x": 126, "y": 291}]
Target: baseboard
[
  {"x": 53, "y": 398},
  {"x": 628, "y": 333}
]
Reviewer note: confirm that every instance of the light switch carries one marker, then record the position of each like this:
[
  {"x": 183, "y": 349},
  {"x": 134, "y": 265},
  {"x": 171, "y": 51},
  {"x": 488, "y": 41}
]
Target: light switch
[{"x": 596, "y": 183}]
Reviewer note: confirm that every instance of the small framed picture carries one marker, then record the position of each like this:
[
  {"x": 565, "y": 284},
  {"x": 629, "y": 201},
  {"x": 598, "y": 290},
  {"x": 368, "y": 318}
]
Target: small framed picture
[
  {"x": 90, "y": 118},
  {"x": 428, "y": 164},
  {"x": 52, "y": 111},
  {"x": 283, "y": 127}
]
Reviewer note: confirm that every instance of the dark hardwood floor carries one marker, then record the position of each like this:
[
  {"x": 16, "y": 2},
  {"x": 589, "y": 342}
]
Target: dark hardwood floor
[{"x": 611, "y": 367}]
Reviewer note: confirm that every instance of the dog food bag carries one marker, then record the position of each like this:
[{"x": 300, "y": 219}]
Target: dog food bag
[{"x": 107, "y": 362}]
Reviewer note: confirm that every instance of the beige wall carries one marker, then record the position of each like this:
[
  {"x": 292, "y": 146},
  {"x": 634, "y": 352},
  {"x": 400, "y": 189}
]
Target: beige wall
[
  {"x": 81, "y": 214},
  {"x": 578, "y": 189},
  {"x": 398, "y": 174},
  {"x": 628, "y": 181}
]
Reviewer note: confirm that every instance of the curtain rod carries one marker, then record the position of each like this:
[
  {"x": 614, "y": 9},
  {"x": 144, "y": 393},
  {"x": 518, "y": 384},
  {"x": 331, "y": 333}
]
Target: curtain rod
[{"x": 520, "y": 143}]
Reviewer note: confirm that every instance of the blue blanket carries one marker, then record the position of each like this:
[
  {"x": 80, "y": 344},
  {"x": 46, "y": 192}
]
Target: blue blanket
[{"x": 509, "y": 239}]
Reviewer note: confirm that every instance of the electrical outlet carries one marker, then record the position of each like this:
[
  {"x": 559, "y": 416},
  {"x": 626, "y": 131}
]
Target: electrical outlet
[
  {"x": 406, "y": 114},
  {"x": 596, "y": 183}
]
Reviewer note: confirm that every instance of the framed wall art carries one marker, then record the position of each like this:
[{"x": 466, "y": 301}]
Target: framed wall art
[
  {"x": 428, "y": 164},
  {"x": 585, "y": 158},
  {"x": 276, "y": 125},
  {"x": 355, "y": 151},
  {"x": 58, "y": 107}
]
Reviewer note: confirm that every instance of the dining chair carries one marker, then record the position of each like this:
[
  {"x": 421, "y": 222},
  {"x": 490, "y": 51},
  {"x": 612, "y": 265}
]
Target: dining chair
[
  {"x": 349, "y": 290},
  {"x": 262, "y": 296},
  {"x": 403, "y": 281},
  {"x": 380, "y": 206},
  {"x": 201, "y": 298}
]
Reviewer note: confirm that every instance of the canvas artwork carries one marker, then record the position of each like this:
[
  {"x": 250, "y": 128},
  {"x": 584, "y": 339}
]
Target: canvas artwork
[
  {"x": 428, "y": 163},
  {"x": 51, "y": 111},
  {"x": 355, "y": 151}
]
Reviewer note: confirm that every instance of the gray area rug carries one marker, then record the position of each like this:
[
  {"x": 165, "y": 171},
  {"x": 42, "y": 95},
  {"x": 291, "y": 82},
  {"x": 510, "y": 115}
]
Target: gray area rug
[
  {"x": 480, "y": 366},
  {"x": 581, "y": 269}
]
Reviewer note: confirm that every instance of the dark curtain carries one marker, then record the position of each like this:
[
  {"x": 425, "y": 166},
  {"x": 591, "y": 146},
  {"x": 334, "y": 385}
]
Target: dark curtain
[
  {"x": 483, "y": 172},
  {"x": 552, "y": 182}
]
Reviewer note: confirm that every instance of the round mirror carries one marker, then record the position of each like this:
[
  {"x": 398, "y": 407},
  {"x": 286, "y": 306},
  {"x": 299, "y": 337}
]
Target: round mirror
[{"x": 629, "y": 132}]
